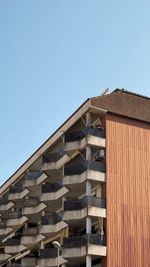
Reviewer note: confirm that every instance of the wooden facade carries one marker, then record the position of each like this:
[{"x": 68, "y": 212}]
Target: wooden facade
[{"x": 128, "y": 192}]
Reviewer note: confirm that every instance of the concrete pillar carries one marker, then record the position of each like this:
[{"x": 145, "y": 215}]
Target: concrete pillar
[
  {"x": 88, "y": 119},
  {"x": 43, "y": 212},
  {"x": 88, "y": 192},
  {"x": 88, "y": 261},
  {"x": 88, "y": 225},
  {"x": 42, "y": 245},
  {"x": 99, "y": 192},
  {"x": 63, "y": 200}
]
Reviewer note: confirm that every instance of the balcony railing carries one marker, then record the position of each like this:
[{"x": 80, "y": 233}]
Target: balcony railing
[
  {"x": 79, "y": 168},
  {"x": 51, "y": 187},
  {"x": 4, "y": 201},
  {"x": 18, "y": 188},
  {"x": 15, "y": 215},
  {"x": 33, "y": 175},
  {"x": 31, "y": 231},
  {"x": 53, "y": 157},
  {"x": 79, "y": 241},
  {"x": 30, "y": 260},
  {"x": 14, "y": 241},
  {"x": 79, "y": 135},
  {"x": 5, "y": 205},
  {"x": 83, "y": 203},
  {"x": 50, "y": 219},
  {"x": 3, "y": 224},
  {"x": 32, "y": 202},
  {"x": 47, "y": 253}
]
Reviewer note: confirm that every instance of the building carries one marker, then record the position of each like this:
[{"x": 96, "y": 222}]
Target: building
[{"x": 87, "y": 187}]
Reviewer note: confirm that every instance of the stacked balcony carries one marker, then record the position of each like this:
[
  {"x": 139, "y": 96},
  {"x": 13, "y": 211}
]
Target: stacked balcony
[
  {"x": 4, "y": 230},
  {"x": 78, "y": 140},
  {"x": 15, "y": 219},
  {"x": 49, "y": 258},
  {"x": 34, "y": 178},
  {"x": 84, "y": 176},
  {"x": 58, "y": 202},
  {"x": 5, "y": 205},
  {"x": 4, "y": 257},
  {"x": 31, "y": 236},
  {"x": 32, "y": 207},
  {"x": 52, "y": 194},
  {"x": 77, "y": 210},
  {"x": 76, "y": 248},
  {"x": 29, "y": 261},
  {"x": 13, "y": 245},
  {"x": 17, "y": 192},
  {"x": 54, "y": 161},
  {"x": 81, "y": 171},
  {"x": 51, "y": 224}
]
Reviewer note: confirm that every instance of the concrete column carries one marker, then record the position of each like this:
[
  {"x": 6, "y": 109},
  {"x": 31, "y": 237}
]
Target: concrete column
[
  {"x": 42, "y": 245},
  {"x": 99, "y": 192},
  {"x": 88, "y": 188},
  {"x": 88, "y": 192},
  {"x": 63, "y": 200},
  {"x": 88, "y": 225},
  {"x": 43, "y": 212},
  {"x": 88, "y": 261},
  {"x": 88, "y": 119}
]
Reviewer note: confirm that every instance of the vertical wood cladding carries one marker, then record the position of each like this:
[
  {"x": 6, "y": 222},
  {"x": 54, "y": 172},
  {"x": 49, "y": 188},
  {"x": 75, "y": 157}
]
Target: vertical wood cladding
[{"x": 128, "y": 192}]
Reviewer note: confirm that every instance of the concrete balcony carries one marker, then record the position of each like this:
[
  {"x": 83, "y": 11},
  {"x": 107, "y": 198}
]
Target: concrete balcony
[
  {"x": 80, "y": 246},
  {"x": 4, "y": 230},
  {"x": 54, "y": 161},
  {"x": 13, "y": 245},
  {"x": 79, "y": 209},
  {"x": 31, "y": 236},
  {"x": 5, "y": 205},
  {"x": 34, "y": 178},
  {"x": 53, "y": 191},
  {"x": 48, "y": 258},
  {"x": 51, "y": 224},
  {"x": 78, "y": 172},
  {"x": 17, "y": 192},
  {"x": 15, "y": 219},
  {"x": 4, "y": 257},
  {"x": 32, "y": 207},
  {"x": 80, "y": 139},
  {"x": 29, "y": 261}
]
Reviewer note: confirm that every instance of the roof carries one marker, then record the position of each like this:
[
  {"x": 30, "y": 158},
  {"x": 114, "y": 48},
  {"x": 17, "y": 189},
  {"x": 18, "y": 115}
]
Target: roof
[
  {"x": 125, "y": 103},
  {"x": 131, "y": 93},
  {"x": 120, "y": 102}
]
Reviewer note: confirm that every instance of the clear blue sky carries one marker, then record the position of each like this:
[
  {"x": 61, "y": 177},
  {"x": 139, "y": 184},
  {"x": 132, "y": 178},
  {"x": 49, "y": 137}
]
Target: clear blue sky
[{"x": 56, "y": 53}]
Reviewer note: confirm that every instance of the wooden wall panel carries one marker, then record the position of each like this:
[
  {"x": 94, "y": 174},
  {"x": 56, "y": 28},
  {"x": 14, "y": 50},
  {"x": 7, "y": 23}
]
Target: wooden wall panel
[{"x": 128, "y": 192}]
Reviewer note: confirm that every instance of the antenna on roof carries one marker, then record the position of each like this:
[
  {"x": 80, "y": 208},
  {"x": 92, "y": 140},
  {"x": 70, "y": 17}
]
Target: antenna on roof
[{"x": 105, "y": 92}]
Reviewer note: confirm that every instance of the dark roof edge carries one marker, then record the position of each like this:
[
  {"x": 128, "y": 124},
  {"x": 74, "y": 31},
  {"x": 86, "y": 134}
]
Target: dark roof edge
[{"x": 131, "y": 93}]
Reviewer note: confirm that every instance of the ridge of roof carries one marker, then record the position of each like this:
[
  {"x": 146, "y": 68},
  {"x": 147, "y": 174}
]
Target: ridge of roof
[
  {"x": 131, "y": 93},
  {"x": 123, "y": 91}
]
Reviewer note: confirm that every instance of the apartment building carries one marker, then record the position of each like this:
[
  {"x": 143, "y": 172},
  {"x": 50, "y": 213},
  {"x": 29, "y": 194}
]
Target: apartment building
[{"x": 83, "y": 198}]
